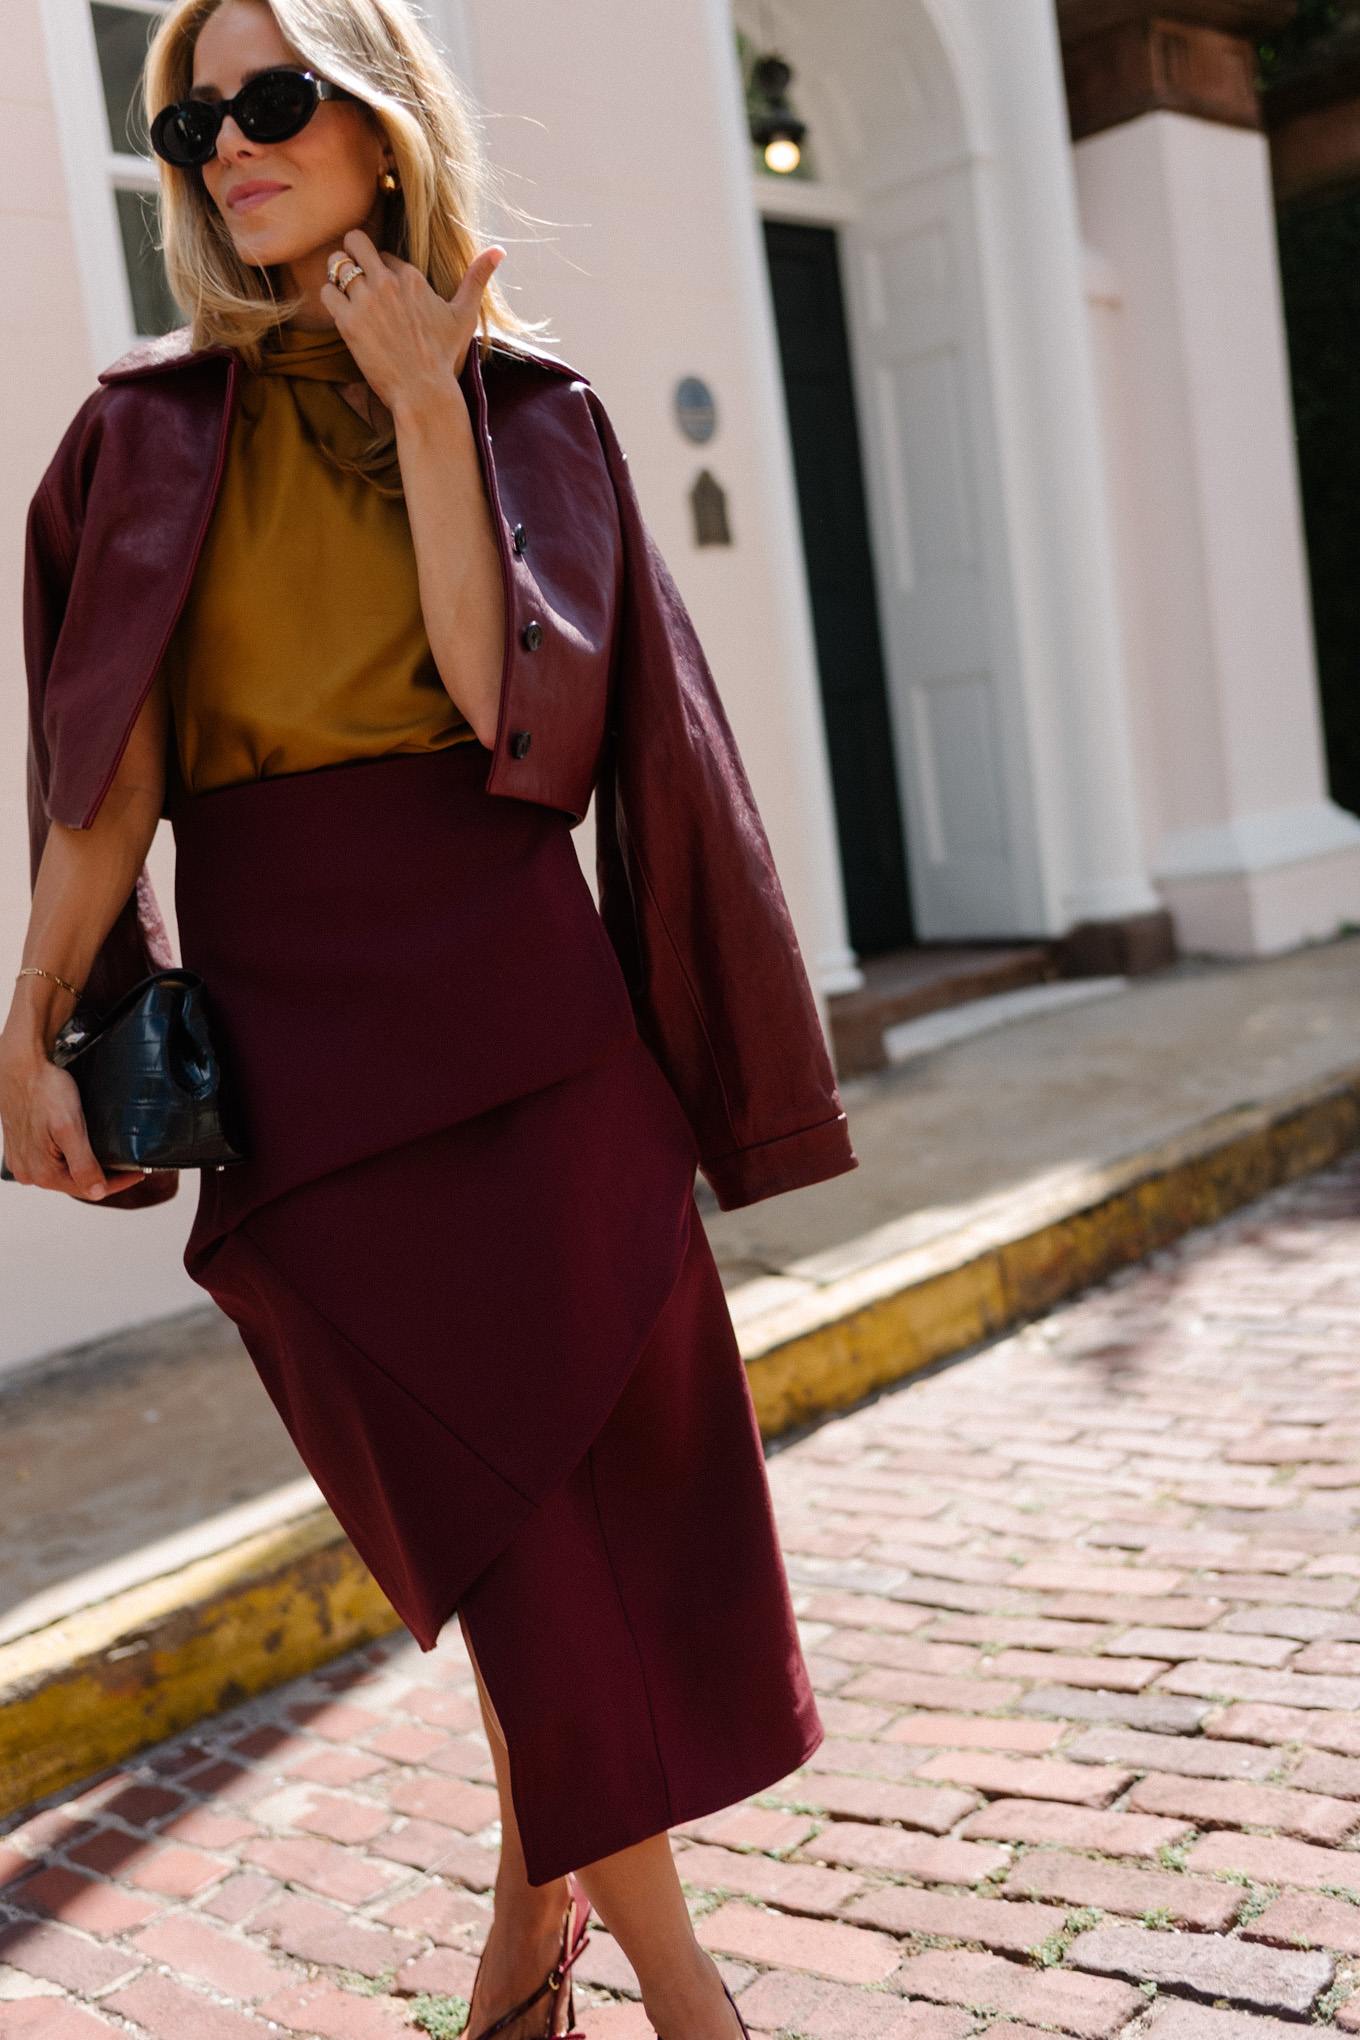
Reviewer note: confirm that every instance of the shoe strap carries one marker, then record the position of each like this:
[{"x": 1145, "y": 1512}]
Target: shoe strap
[
  {"x": 575, "y": 1935},
  {"x": 509, "y": 2018}
]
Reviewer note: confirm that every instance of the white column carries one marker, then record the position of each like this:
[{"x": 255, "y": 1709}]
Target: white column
[
  {"x": 1053, "y": 471},
  {"x": 621, "y": 128},
  {"x": 1246, "y": 847}
]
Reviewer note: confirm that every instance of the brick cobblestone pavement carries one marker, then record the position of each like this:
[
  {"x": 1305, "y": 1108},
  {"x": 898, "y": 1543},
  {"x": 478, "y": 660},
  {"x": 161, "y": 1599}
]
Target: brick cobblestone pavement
[{"x": 1082, "y": 1614}]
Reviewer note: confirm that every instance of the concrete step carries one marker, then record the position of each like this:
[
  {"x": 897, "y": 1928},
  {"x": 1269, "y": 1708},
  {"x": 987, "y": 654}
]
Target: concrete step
[
  {"x": 927, "y": 978},
  {"x": 930, "y": 977}
]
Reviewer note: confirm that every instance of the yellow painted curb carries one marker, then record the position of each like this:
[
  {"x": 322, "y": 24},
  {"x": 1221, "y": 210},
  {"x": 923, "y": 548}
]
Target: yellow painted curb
[
  {"x": 89, "y": 1691},
  {"x": 829, "y": 1346}
]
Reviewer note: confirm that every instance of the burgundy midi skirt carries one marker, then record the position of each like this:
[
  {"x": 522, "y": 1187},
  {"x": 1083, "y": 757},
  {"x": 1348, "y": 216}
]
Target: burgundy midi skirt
[{"x": 465, "y": 1258}]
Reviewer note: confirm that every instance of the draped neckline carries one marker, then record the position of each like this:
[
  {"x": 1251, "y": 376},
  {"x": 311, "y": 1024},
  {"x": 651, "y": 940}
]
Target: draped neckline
[{"x": 311, "y": 357}]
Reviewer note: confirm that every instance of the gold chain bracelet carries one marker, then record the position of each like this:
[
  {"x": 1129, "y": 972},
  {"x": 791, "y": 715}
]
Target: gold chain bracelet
[{"x": 32, "y": 970}]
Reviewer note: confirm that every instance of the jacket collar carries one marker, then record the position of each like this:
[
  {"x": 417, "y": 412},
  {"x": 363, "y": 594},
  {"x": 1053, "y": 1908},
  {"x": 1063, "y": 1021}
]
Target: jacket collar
[{"x": 161, "y": 357}]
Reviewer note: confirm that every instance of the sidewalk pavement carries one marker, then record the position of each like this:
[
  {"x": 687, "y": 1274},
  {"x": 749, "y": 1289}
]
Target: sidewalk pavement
[
  {"x": 1081, "y": 1611},
  {"x": 175, "y": 1426},
  {"x": 1087, "y": 1085}
]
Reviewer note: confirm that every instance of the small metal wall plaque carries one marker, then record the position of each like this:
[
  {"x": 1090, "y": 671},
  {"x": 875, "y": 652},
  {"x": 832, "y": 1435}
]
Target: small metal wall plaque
[
  {"x": 708, "y": 500},
  {"x": 696, "y": 410}
]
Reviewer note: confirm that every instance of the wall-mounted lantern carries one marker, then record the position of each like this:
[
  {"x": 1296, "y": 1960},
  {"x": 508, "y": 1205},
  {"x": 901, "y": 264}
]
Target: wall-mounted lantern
[{"x": 775, "y": 127}]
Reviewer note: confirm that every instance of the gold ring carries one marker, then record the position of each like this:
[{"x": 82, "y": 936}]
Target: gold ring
[
  {"x": 343, "y": 283},
  {"x": 335, "y": 265}
]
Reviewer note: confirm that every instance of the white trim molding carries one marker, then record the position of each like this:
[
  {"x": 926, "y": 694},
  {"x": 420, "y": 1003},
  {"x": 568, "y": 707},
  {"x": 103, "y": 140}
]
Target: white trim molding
[
  {"x": 821, "y": 887},
  {"x": 1254, "y": 843},
  {"x": 1109, "y": 899},
  {"x": 95, "y": 171},
  {"x": 803, "y": 203},
  {"x": 82, "y": 129},
  {"x": 838, "y": 971}
]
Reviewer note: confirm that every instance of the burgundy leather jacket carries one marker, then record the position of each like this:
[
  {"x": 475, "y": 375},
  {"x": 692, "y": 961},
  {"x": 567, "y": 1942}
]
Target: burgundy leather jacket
[{"x": 605, "y": 688}]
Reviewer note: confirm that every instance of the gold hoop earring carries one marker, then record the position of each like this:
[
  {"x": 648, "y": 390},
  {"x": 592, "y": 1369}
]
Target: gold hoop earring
[{"x": 388, "y": 182}]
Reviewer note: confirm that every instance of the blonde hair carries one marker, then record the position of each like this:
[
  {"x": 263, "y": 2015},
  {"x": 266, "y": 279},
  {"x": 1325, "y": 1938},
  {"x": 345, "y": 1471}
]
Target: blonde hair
[{"x": 378, "y": 52}]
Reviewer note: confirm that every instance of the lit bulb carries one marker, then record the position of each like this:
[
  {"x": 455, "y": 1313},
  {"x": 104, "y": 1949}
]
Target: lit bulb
[{"x": 783, "y": 156}]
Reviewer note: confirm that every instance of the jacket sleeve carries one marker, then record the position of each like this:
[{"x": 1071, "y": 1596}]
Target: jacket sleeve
[
  {"x": 693, "y": 905},
  {"x": 137, "y": 943}
]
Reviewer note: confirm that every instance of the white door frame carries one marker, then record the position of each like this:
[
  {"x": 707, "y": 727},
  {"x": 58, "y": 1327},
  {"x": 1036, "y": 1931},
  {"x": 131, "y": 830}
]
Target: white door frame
[{"x": 989, "y": 117}]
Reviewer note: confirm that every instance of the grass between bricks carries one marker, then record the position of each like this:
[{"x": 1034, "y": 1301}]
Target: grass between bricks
[
  {"x": 1050, "y": 1953},
  {"x": 443, "y": 2018},
  {"x": 1047, "y": 1954},
  {"x": 1331, "y": 2001},
  {"x": 700, "y": 1901},
  {"x": 367, "y": 1986},
  {"x": 1259, "y": 1897}
]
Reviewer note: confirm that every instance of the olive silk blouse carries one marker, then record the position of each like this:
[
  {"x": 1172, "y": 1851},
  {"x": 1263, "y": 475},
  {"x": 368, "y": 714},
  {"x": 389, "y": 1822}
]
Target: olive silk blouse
[{"x": 302, "y": 643}]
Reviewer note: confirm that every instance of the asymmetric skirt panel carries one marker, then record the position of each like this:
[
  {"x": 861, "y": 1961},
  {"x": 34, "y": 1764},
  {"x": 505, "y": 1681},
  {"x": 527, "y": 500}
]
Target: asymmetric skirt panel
[{"x": 465, "y": 1260}]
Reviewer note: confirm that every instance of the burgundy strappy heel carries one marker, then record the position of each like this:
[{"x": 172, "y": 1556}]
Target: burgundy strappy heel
[{"x": 557, "y": 1984}]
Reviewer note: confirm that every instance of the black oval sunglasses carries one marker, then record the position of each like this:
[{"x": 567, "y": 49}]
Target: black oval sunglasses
[{"x": 273, "y": 107}]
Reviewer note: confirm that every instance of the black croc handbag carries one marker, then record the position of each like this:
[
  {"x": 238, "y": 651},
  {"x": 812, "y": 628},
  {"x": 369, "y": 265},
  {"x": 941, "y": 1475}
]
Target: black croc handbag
[{"x": 151, "y": 1080}]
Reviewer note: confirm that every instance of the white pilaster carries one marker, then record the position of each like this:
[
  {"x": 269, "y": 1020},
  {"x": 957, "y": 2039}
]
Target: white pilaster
[
  {"x": 1079, "y": 730},
  {"x": 1245, "y": 845}
]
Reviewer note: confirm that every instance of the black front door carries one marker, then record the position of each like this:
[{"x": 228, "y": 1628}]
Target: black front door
[{"x": 810, "y": 313}]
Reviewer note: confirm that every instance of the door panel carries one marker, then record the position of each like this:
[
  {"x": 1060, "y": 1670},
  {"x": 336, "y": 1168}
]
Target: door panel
[
  {"x": 930, "y": 442},
  {"x": 810, "y": 313},
  {"x": 934, "y": 484},
  {"x": 957, "y": 743}
]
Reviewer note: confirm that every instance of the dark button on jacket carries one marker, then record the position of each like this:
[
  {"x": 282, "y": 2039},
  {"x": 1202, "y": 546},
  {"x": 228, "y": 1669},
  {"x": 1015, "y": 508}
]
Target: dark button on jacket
[{"x": 618, "y": 697}]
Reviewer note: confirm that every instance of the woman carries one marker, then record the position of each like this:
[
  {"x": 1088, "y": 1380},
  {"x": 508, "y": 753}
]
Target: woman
[{"x": 279, "y": 587}]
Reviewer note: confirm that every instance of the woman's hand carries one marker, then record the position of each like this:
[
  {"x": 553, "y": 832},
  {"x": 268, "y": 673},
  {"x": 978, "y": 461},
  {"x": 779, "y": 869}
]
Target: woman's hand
[
  {"x": 411, "y": 347},
  {"x": 45, "y": 1139},
  {"x": 84, "y": 881},
  {"x": 409, "y": 343}
]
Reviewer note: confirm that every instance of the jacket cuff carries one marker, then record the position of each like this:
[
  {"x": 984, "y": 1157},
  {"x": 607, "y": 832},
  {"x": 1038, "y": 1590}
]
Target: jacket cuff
[
  {"x": 790, "y": 1163},
  {"x": 157, "y": 1189}
]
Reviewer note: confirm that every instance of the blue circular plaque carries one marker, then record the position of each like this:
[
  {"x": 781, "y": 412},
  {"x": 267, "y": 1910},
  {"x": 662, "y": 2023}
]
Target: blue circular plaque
[{"x": 696, "y": 412}]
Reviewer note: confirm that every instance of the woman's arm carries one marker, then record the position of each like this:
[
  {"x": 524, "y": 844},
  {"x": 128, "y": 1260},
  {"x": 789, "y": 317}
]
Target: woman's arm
[
  {"x": 462, "y": 593},
  {"x": 411, "y": 347},
  {"x": 84, "y": 882}
]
